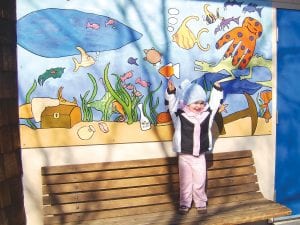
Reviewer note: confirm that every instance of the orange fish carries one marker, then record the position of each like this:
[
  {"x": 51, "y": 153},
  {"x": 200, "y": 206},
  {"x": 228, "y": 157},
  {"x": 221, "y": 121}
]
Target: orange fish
[
  {"x": 267, "y": 115},
  {"x": 266, "y": 97},
  {"x": 119, "y": 108},
  {"x": 169, "y": 70}
]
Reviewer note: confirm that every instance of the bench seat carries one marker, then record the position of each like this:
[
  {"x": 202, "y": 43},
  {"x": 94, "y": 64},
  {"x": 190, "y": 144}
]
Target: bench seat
[{"x": 147, "y": 192}]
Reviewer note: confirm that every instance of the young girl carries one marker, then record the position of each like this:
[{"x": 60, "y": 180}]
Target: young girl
[{"x": 192, "y": 119}]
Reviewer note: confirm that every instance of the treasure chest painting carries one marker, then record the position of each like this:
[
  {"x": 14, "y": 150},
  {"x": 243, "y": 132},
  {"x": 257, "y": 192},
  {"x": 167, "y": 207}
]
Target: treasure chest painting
[
  {"x": 95, "y": 72},
  {"x": 63, "y": 116}
]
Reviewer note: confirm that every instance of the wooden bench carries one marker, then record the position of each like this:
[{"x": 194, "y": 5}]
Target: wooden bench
[{"x": 146, "y": 192}]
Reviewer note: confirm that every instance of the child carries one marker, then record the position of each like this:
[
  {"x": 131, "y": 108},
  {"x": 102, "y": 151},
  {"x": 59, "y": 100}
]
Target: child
[{"x": 192, "y": 119}]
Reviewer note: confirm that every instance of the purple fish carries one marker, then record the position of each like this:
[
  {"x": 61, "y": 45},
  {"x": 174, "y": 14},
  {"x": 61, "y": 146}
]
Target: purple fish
[
  {"x": 132, "y": 61},
  {"x": 225, "y": 23}
]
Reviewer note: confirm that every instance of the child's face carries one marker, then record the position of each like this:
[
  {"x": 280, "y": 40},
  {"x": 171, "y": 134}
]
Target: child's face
[{"x": 197, "y": 107}]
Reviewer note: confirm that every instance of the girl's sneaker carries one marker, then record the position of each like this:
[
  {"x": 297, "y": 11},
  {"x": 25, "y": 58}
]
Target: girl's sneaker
[
  {"x": 183, "y": 209},
  {"x": 201, "y": 210}
]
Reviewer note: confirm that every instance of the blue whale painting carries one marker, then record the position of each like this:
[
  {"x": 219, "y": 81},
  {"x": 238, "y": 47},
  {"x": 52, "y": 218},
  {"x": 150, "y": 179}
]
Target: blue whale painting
[{"x": 56, "y": 33}]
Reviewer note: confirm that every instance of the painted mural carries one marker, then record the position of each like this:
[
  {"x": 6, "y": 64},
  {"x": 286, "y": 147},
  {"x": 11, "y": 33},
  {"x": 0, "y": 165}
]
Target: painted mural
[{"x": 96, "y": 73}]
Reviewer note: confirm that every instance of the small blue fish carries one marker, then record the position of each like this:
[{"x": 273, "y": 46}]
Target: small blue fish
[
  {"x": 252, "y": 7},
  {"x": 132, "y": 61}
]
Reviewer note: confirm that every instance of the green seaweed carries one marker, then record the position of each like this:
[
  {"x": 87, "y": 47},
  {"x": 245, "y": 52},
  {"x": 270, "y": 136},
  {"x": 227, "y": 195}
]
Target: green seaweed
[
  {"x": 152, "y": 107},
  {"x": 85, "y": 104},
  {"x": 28, "y": 100},
  {"x": 108, "y": 109},
  {"x": 119, "y": 93},
  {"x": 135, "y": 102},
  {"x": 95, "y": 87},
  {"x": 104, "y": 105}
]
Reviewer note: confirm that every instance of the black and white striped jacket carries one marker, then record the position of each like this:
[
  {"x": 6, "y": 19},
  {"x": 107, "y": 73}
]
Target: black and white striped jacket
[{"x": 193, "y": 136}]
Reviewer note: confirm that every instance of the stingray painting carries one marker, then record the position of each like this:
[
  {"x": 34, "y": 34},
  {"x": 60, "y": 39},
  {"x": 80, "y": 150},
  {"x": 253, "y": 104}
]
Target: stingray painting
[
  {"x": 54, "y": 33},
  {"x": 236, "y": 86}
]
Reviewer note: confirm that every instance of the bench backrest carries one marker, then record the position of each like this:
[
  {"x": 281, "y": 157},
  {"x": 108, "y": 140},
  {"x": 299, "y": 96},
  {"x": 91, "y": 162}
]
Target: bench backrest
[{"x": 110, "y": 189}]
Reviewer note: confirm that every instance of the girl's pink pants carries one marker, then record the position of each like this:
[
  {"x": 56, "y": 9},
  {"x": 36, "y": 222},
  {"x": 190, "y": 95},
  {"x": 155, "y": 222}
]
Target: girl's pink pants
[{"x": 192, "y": 179}]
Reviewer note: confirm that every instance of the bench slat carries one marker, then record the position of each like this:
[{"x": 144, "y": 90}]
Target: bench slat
[
  {"x": 108, "y": 184},
  {"x": 219, "y": 218},
  {"x": 157, "y": 170},
  {"x": 237, "y": 189},
  {"x": 111, "y": 174},
  {"x": 228, "y": 181},
  {"x": 110, "y": 194},
  {"x": 141, "y": 181},
  {"x": 229, "y": 155},
  {"x": 109, "y": 204},
  {"x": 136, "y": 163},
  {"x": 109, "y": 213},
  {"x": 108, "y": 165},
  {"x": 115, "y": 184},
  {"x": 237, "y": 215},
  {"x": 159, "y": 211},
  {"x": 228, "y": 163},
  {"x": 138, "y": 201},
  {"x": 140, "y": 191},
  {"x": 231, "y": 172}
]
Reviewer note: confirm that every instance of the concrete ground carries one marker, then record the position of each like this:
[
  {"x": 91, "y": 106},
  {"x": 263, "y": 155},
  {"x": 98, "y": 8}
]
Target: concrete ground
[
  {"x": 258, "y": 223},
  {"x": 286, "y": 222}
]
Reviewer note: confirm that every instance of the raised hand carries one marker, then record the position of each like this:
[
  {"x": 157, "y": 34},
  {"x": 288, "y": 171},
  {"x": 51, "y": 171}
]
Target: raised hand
[{"x": 171, "y": 85}]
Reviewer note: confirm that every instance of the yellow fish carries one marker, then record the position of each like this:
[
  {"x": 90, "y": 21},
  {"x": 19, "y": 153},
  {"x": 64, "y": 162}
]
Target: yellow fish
[
  {"x": 185, "y": 38},
  {"x": 86, "y": 60}
]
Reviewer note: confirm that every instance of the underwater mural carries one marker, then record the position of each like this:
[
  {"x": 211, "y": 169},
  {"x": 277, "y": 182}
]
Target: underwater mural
[{"x": 96, "y": 73}]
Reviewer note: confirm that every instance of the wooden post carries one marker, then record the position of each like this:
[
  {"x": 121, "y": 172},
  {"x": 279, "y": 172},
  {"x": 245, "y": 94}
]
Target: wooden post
[{"x": 11, "y": 193}]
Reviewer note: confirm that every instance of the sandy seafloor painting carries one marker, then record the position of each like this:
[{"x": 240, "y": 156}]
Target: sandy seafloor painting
[
  {"x": 124, "y": 133},
  {"x": 111, "y": 60}
]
